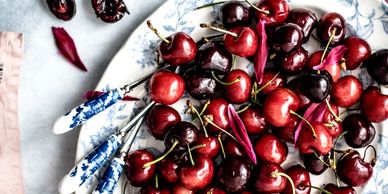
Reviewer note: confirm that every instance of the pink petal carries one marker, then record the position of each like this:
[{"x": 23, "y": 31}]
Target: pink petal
[
  {"x": 262, "y": 52},
  {"x": 334, "y": 56},
  {"x": 67, "y": 47},
  {"x": 318, "y": 113},
  {"x": 240, "y": 132},
  {"x": 307, "y": 114}
]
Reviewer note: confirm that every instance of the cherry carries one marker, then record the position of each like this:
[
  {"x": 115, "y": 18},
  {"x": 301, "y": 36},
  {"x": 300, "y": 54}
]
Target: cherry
[
  {"x": 286, "y": 37},
  {"x": 339, "y": 190},
  {"x": 301, "y": 178},
  {"x": 217, "y": 110},
  {"x": 254, "y": 121},
  {"x": 292, "y": 63},
  {"x": 333, "y": 69},
  {"x": 166, "y": 87},
  {"x": 211, "y": 190},
  {"x": 160, "y": 118},
  {"x": 235, "y": 13},
  {"x": 239, "y": 91},
  {"x": 266, "y": 180},
  {"x": 358, "y": 51},
  {"x": 314, "y": 164},
  {"x": 296, "y": 86},
  {"x": 149, "y": 189},
  {"x": 305, "y": 19},
  {"x": 271, "y": 80},
  {"x": 200, "y": 85},
  {"x": 331, "y": 28},
  {"x": 168, "y": 169},
  {"x": 214, "y": 57},
  {"x": 316, "y": 85},
  {"x": 136, "y": 174},
  {"x": 269, "y": 148},
  {"x": 199, "y": 175},
  {"x": 353, "y": 170},
  {"x": 307, "y": 144},
  {"x": 184, "y": 133},
  {"x": 62, "y": 9},
  {"x": 277, "y": 106},
  {"x": 332, "y": 122},
  {"x": 233, "y": 148},
  {"x": 360, "y": 132},
  {"x": 233, "y": 173},
  {"x": 346, "y": 91},
  {"x": 244, "y": 43},
  {"x": 274, "y": 11},
  {"x": 210, "y": 146},
  {"x": 374, "y": 105},
  {"x": 287, "y": 132},
  {"x": 377, "y": 65},
  {"x": 180, "y": 189}
]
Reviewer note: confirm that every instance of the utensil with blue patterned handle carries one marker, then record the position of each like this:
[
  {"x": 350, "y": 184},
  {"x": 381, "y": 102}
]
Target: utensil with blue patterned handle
[{"x": 97, "y": 158}]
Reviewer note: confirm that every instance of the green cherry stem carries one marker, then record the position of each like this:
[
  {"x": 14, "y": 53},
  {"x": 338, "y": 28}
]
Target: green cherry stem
[
  {"x": 209, "y": 120},
  {"x": 266, "y": 84},
  {"x": 204, "y": 25},
  {"x": 306, "y": 121},
  {"x": 156, "y": 181},
  {"x": 244, "y": 109},
  {"x": 258, "y": 9},
  {"x": 221, "y": 144},
  {"x": 193, "y": 109},
  {"x": 332, "y": 111},
  {"x": 210, "y": 4},
  {"x": 190, "y": 155},
  {"x": 148, "y": 164},
  {"x": 320, "y": 189},
  {"x": 225, "y": 83},
  {"x": 275, "y": 174},
  {"x": 332, "y": 34},
  {"x": 150, "y": 26},
  {"x": 320, "y": 159}
]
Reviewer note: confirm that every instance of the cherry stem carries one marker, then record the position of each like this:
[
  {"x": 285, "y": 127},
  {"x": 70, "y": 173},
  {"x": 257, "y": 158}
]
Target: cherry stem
[
  {"x": 156, "y": 181},
  {"x": 234, "y": 59},
  {"x": 208, "y": 5},
  {"x": 192, "y": 149},
  {"x": 221, "y": 144},
  {"x": 190, "y": 155},
  {"x": 343, "y": 64},
  {"x": 193, "y": 109},
  {"x": 373, "y": 161},
  {"x": 277, "y": 174},
  {"x": 306, "y": 121},
  {"x": 204, "y": 25},
  {"x": 258, "y": 9},
  {"x": 244, "y": 109},
  {"x": 320, "y": 189},
  {"x": 267, "y": 84},
  {"x": 204, "y": 107},
  {"x": 272, "y": 56},
  {"x": 332, "y": 34},
  {"x": 125, "y": 187},
  {"x": 320, "y": 159},
  {"x": 337, "y": 180},
  {"x": 148, "y": 164},
  {"x": 332, "y": 111},
  {"x": 208, "y": 120},
  {"x": 150, "y": 26},
  {"x": 238, "y": 79},
  {"x": 329, "y": 124},
  {"x": 210, "y": 37}
]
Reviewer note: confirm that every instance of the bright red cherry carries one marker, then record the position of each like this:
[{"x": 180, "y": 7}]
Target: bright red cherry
[
  {"x": 168, "y": 170},
  {"x": 339, "y": 190},
  {"x": 346, "y": 91},
  {"x": 136, "y": 174},
  {"x": 353, "y": 170},
  {"x": 217, "y": 110},
  {"x": 244, "y": 44},
  {"x": 198, "y": 176},
  {"x": 240, "y": 91},
  {"x": 210, "y": 146},
  {"x": 160, "y": 118},
  {"x": 287, "y": 132},
  {"x": 266, "y": 181},
  {"x": 358, "y": 51},
  {"x": 333, "y": 69},
  {"x": 270, "y": 82},
  {"x": 254, "y": 121},
  {"x": 333, "y": 125},
  {"x": 294, "y": 62},
  {"x": 233, "y": 148},
  {"x": 269, "y": 148},
  {"x": 276, "y": 11},
  {"x": 374, "y": 105},
  {"x": 166, "y": 87},
  {"x": 180, "y": 189},
  {"x": 301, "y": 178},
  {"x": 307, "y": 144},
  {"x": 180, "y": 49}
]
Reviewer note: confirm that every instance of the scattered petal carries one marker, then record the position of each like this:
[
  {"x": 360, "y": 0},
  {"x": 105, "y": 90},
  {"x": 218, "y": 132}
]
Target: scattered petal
[
  {"x": 130, "y": 98},
  {"x": 334, "y": 56},
  {"x": 94, "y": 94},
  {"x": 306, "y": 114},
  {"x": 262, "y": 52}
]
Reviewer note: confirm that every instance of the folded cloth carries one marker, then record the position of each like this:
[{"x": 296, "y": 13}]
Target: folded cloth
[{"x": 11, "y": 50}]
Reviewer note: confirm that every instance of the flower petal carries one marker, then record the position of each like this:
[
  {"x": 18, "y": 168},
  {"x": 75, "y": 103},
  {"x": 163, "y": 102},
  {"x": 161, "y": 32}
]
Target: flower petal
[
  {"x": 334, "y": 56},
  {"x": 262, "y": 52}
]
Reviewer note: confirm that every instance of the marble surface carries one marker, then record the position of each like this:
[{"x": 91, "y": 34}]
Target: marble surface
[{"x": 50, "y": 86}]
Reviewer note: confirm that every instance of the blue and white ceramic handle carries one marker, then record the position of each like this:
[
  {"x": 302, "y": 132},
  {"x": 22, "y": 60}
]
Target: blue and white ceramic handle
[
  {"x": 89, "y": 165},
  {"x": 108, "y": 182},
  {"x": 87, "y": 110}
]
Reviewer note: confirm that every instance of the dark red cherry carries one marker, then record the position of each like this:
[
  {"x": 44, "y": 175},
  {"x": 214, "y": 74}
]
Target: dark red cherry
[
  {"x": 296, "y": 86},
  {"x": 286, "y": 38},
  {"x": 353, "y": 170},
  {"x": 360, "y": 131},
  {"x": 339, "y": 190},
  {"x": 200, "y": 85},
  {"x": 233, "y": 174},
  {"x": 180, "y": 189},
  {"x": 333, "y": 69},
  {"x": 150, "y": 189},
  {"x": 254, "y": 121},
  {"x": 235, "y": 13},
  {"x": 301, "y": 178},
  {"x": 233, "y": 148},
  {"x": 217, "y": 110},
  {"x": 346, "y": 91},
  {"x": 287, "y": 132},
  {"x": 210, "y": 146},
  {"x": 214, "y": 57},
  {"x": 240, "y": 91},
  {"x": 160, "y": 118},
  {"x": 62, "y": 9},
  {"x": 316, "y": 85},
  {"x": 305, "y": 19},
  {"x": 198, "y": 176},
  {"x": 358, "y": 51},
  {"x": 332, "y": 124},
  {"x": 270, "y": 82},
  {"x": 313, "y": 164},
  {"x": 329, "y": 23},
  {"x": 212, "y": 190},
  {"x": 377, "y": 65},
  {"x": 264, "y": 180},
  {"x": 244, "y": 44},
  {"x": 374, "y": 105},
  {"x": 168, "y": 169},
  {"x": 184, "y": 132},
  {"x": 166, "y": 87},
  {"x": 134, "y": 162},
  {"x": 292, "y": 63},
  {"x": 180, "y": 49},
  {"x": 307, "y": 144},
  {"x": 269, "y": 148},
  {"x": 277, "y": 11},
  {"x": 109, "y": 11}
]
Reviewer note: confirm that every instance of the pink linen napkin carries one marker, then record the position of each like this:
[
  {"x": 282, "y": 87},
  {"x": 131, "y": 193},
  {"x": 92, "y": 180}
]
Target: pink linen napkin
[{"x": 11, "y": 50}]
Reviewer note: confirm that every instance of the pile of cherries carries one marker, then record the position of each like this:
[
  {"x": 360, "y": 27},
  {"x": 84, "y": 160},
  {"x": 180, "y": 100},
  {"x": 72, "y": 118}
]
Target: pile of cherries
[{"x": 298, "y": 101}]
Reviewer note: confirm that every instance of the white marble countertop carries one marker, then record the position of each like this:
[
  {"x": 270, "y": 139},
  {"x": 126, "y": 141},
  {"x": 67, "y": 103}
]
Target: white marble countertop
[{"x": 50, "y": 86}]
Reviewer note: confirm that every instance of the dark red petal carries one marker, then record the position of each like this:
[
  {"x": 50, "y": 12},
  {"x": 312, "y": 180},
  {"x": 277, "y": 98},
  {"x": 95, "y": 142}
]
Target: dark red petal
[
  {"x": 334, "y": 56},
  {"x": 92, "y": 94},
  {"x": 67, "y": 47},
  {"x": 262, "y": 52},
  {"x": 130, "y": 98},
  {"x": 307, "y": 114}
]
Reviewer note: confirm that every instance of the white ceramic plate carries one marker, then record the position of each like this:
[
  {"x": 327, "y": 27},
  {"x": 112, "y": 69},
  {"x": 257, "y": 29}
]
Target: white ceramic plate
[{"x": 366, "y": 18}]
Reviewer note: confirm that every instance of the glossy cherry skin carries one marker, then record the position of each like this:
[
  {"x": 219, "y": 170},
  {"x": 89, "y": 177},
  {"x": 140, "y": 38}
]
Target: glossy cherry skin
[
  {"x": 296, "y": 86},
  {"x": 360, "y": 131},
  {"x": 352, "y": 170},
  {"x": 245, "y": 44},
  {"x": 305, "y": 19},
  {"x": 358, "y": 51},
  {"x": 181, "y": 49},
  {"x": 64, "y": 10},
  {"x": 200, "y": 85},
  {"x": 160, "y": 118},
  {"x": 377, "y": 65},
  {"x": 198, "y": 176},
  {"x": 240, "y": 91},
  {"x": 233, "y": 148},
  {"x": 333, "y": 69},
  {"x": 269, "y": 76},
  {"x": 321, "y": 145},
  {"x": 269, "y": 148},
  {"x": 346, "y": 91},
  {"x": 316, "y": 85},
  {"x": 214, "y": 57},
  {"x": 166, "y": 87},
  {"x": 339, "y": 190},
  {"x": 374, "y": 105},
  {"x": 292, "y": 63},
  {"x": 183, "y": 132},
  {"x": 233, "y": 174},
  {"x": 264, "y": 182},
  {"x": 168, "y": 169},
  {"x": 218, "y": 111},
  {"x": 277, "y": 106},
  {"x": 149, "y": 189},
  {"x": 235, "y": 13},
  {"x": 328, "y": 22},
  {"x": 278, "y": 11},
  {"x": 134, "y": 162},
  {"x": 180, "y": 189},
  {"x": 333, "y": 126},
  {"x": 313, "y": 164},
  {"x": 211, "y": 146},
  {"x": 212, "y": 190},
  {"x": 254, "y": 121},
  {"x": 301, "y": 178},
  {"x": 286, "y": 38},
  {"x": 287, "y": 132}
]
